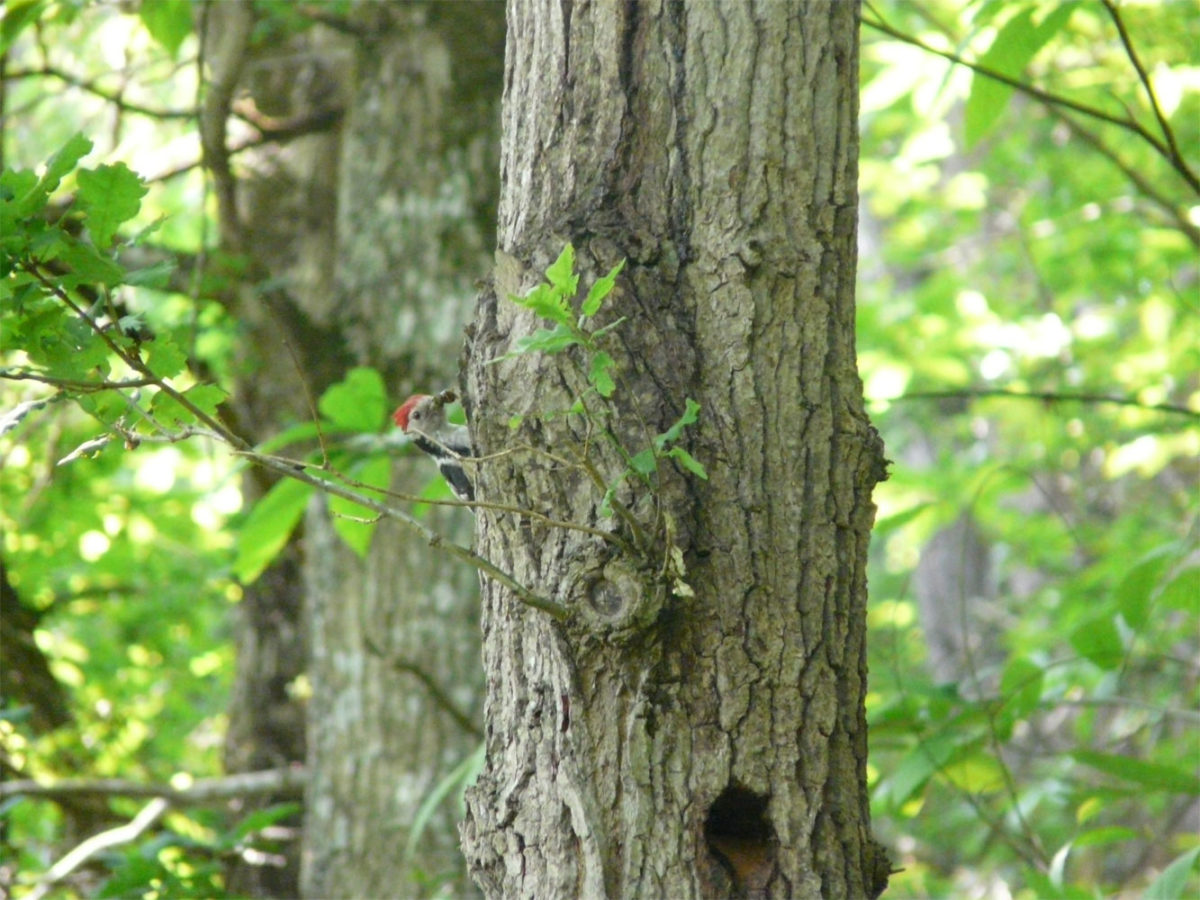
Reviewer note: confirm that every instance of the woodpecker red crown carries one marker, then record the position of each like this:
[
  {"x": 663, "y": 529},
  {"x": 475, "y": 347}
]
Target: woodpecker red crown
[{"x": 400, "y": 416}]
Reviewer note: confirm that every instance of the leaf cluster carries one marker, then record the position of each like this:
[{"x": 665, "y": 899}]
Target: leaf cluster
[{"x": 554, "y": 299}]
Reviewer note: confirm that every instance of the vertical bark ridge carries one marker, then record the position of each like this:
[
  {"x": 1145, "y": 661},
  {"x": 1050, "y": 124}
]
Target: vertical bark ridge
[{"x": 717, "y": 749}]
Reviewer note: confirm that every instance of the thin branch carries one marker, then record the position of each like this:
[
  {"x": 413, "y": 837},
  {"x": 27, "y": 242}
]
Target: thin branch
[
  {"x": 134, "y": 361},
  {"x": 288, "y": 781},
  {"x": 1163, "y": 124},
  {"x": 436, "y": 693},
  {"x": 1139, "y": 180},
  {"x": 89, "y": 85},
  {"x": 299, "y": 470},
  {"x": 1045, "y": 96},
  {"x": 225, "y": 42},
  {"x": 1047, "y": 397},
  {"x": 114, "y": 837},
  {"x": 71, "y": 384}
]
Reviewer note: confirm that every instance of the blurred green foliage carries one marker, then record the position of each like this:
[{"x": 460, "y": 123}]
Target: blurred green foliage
[
  {"x": 1023, "y": 266},
  {"x": 1029, "y": 347}
]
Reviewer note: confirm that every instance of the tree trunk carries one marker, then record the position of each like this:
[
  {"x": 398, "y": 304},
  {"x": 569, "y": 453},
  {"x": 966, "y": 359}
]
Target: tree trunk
[
  {"x": 372, "y": 236},
  {"x": 659, "y": 744},
  {"x": 397, "y": 685}
]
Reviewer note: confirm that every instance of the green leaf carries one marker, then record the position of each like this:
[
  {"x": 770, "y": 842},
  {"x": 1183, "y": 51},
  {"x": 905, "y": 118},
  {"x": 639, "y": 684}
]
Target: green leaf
[
  {"x": 1021, "y": 686},
  {"x": 688, "y": 461},
  {"x": 267, "y": 528},
  {"x": 561, "y": 273},
  {"x": 375, "y": 471},
  {"x": 1183, "y": 591},
  {"x": 1014, "y": 47},
  {"x": 15, "y": 186},
  {"x": 356, "y": 403},
  {"x": 69, "y": 350},
  {"x": 606, "y": 507},
  {"x": 644, "y": 463},
  {"x": 18, "y": 15},
  {"x": 155, "y": 276},
  {"x": 35, "y": 194},
  {"x": 546, "y": 341},
  {"x": 171, "y": 413},
  {"x": 165, "y": 358},
  {"x": 1099, "y": 837},
  {"x": 914, "y": 771},
  {"x": 547, "y": 303},
  {"x": 87, "y": 264},
  {"x": 462, "y": 776},
  {"x": 168, "y": 21},
  {"x": 975, "y": 773},
  {"x": 260, "y": 819},
  {"x": 1099, "y": 641},
  {"x": 293, "y": 434},
  {"x": 206, "y": 397},
  {"x": 601, "y": 289},
  {"x": 110, "y": 195},
  {"x": 691, "y": 409},
  {"x": 106, "y": 406},
  {"x": 1155, "y": 776},
  {"x": 62, "y": 162},
  {"x": 1173, "y": 882},
  {"x": 598, "y": 375},
  {"x": 599, "y": 332},
  {"x": 895, "y": 522},
  {"x": 1134, "y": 590}
]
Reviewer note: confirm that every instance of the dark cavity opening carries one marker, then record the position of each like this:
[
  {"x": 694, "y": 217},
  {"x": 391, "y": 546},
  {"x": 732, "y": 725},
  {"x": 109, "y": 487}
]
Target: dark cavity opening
[{"x": 741, "y": 838}]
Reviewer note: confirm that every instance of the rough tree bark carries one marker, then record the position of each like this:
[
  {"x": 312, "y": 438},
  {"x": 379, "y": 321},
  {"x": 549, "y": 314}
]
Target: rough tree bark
[{"x": 659, "y": 744}]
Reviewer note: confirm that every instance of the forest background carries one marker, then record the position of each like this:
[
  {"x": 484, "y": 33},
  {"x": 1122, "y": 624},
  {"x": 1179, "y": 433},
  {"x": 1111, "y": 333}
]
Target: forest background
[{"x": 1028, "y": 343}]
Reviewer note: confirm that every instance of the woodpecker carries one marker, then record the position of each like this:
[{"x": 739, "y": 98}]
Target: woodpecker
[{"x": 424, "y": 418}]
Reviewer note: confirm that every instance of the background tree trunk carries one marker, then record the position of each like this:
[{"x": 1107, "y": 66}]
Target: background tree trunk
[
  {"x": 365, "y": 242},
  {"x": 416, "y": 220},
  {"x": 661, "y": 744}
]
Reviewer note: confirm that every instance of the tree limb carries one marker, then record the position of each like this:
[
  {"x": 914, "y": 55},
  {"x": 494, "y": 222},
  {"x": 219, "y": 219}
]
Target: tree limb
[
  {"x": 1135, "y": 60},
  {"x": 227, "y": 26},
  {"x": 89, "y": 85},
  {"x": 287, "y": 781},
  {"x": 1139, "y": 181},
  {"x": 1047, "y": 397},
  {"x": 1046, "y": 97},
  {"x": 435, "y": 691},
  {"x": 114, "y": 837}
]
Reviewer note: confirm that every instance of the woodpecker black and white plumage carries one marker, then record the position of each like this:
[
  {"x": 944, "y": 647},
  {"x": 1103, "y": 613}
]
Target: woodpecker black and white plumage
[{"x": 423, "y": 418}]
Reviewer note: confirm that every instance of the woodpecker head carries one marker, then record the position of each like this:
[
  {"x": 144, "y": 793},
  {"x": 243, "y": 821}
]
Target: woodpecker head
[{"x": 412, "y": 411}]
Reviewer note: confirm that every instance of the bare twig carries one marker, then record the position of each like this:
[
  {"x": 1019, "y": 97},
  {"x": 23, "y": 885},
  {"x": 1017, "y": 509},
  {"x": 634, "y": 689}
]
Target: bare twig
[
  {"x": 287, "y": 781},
  {"x": 1047, "y": 397},
  {"x": 436, "y": 693},
  {"x": 1178, "y": 216},
  {"x": 71, "y": 384},
  {"x": 315, "y": 123},
  {"x": 299, "y": 470},
  {"x": 1046, "y": 97},
  {"x": 114, "y": 837},
  {"x": 1177, "y": 157},
  {"x": 90, "y": 86}
]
